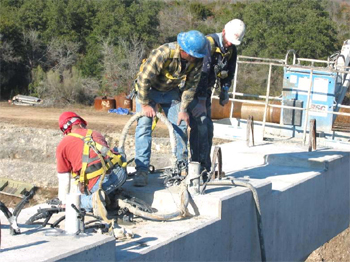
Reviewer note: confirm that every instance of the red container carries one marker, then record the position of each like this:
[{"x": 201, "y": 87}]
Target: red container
[
  {"x": 104, "y": 103},
  {"x": 123, "y": 102}
]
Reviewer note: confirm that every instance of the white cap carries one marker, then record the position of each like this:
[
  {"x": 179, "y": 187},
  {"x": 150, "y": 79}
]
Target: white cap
[{"x": 234, "y": 31}]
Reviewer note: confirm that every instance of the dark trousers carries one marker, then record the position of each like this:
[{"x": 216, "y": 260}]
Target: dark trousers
[{"x": 201, "y": 135}]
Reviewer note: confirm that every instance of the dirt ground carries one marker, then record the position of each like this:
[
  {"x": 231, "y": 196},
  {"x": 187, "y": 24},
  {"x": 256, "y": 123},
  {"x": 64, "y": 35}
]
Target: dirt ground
[{"x": 22, "y": 126}]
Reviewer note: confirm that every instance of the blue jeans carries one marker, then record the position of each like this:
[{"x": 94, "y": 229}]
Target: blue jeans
[
  {"x": 201, "y": 135},
  {"x": 110, "y": 183},
  {"x": 170, "y": 103}
]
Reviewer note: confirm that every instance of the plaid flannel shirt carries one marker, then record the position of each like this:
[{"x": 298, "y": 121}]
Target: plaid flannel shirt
[{"x": 164, "y": 72}]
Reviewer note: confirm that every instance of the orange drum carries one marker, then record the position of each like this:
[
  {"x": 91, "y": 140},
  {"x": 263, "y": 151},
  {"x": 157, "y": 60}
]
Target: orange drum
[
  {"x": 123, "y": 102},
  {"x": 104, "y": 103}
]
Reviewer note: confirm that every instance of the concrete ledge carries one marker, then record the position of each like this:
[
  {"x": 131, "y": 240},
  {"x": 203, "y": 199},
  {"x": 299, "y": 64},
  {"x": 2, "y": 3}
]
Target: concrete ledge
[
  {"x": 304, "y": 201},
  {"x": 46, "y": 244}
]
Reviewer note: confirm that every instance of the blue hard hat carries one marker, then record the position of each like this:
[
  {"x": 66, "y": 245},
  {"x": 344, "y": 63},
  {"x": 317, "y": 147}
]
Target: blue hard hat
[{"x": 193, "y": 43}]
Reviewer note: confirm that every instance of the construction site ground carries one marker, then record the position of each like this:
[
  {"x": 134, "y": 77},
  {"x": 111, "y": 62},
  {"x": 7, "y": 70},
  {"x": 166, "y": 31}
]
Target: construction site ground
[{"x": 36, "y": 121}]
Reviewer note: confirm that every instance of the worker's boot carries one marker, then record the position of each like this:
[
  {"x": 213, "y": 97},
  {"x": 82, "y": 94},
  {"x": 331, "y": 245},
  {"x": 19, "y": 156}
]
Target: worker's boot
[{"x": 141, "y": 178}]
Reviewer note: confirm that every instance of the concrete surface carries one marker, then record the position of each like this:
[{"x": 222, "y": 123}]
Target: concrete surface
[
  {"x": 233, "y": 129},
  {"x": 304, "y": 201},
  {"x": 46, "y": 244},
  {"x": 304, "y": 198}
]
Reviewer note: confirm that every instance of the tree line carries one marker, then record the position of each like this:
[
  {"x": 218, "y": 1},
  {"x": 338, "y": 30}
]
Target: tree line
[{"x": 69, "y": 51}]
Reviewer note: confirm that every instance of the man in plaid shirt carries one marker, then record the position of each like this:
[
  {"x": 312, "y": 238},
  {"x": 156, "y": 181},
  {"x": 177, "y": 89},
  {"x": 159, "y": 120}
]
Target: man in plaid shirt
[{"x": 168, "y": 78}]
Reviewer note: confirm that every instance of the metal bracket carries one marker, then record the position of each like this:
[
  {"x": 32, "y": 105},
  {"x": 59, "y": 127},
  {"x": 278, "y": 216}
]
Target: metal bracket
[
  {"x": 250, "y": 129},
  {"x": 312, "y": 135}
]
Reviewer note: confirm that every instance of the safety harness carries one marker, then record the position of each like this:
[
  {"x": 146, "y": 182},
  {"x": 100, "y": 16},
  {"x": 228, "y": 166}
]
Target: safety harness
[
  {"x": 107, "y": 159},
  {"x": 225, "y": 57}
]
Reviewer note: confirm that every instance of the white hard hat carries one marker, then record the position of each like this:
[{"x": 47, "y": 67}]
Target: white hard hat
[{"x": 234, "y": 31}]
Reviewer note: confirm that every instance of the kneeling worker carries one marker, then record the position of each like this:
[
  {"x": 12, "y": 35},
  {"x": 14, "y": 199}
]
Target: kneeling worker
[{"x": 84, "y": 154}]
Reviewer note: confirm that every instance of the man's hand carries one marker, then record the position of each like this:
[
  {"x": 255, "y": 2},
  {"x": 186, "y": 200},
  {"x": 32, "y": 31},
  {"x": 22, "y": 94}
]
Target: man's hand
[
  {"x": 199, "y": 109},
  {"x": 148, "y": 111},
  {"x": 183, "y": 116}
]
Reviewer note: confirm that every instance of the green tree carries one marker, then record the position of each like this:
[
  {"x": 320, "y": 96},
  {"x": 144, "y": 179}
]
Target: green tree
[
  {"x": 11, "y": 68},
  {"x": 275, "y": 26},
  {"x": 31, "y": 15}
]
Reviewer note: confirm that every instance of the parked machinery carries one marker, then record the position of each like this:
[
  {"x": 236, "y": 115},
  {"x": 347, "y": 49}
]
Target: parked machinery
[{"x": 317, "y": 86}]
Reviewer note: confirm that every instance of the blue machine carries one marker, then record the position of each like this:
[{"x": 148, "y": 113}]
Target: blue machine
[
  {"x": 329, "y": 85},
  {"x": 296, "y": 86}
]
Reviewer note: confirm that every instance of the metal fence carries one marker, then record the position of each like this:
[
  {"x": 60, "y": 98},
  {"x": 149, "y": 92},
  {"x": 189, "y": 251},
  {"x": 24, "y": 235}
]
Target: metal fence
[{"x": 330, "y": 66}]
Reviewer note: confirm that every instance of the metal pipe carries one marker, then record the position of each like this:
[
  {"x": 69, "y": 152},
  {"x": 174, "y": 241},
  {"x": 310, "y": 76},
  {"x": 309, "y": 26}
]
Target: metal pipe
[
  {"x": 233, "y": 91},
  {"x": 308, "y": 105},
  {"x": 243, "y": 110},
  {"x": 266, "y": 100}
]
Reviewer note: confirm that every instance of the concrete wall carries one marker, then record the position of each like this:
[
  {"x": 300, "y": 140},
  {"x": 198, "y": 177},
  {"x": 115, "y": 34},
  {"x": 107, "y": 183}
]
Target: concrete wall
[{"x": 299, "y": 215}]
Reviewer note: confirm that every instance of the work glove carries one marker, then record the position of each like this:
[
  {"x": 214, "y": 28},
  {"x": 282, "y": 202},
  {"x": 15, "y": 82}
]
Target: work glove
[
  {"x": 224, "y": 95},
  {"x": 200, "y": 108},
  {"x": 122, "y": 161}
]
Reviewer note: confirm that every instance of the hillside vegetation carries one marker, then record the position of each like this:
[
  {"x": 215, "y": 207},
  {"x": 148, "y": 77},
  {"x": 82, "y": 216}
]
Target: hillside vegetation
[{"x": 70, "y": 51}]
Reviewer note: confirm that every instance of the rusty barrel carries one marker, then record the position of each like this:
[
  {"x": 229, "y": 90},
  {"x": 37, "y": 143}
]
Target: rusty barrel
[
  {"x": 123, "y": 102},
  {"x": 244, "y": 110},
  {"x": 342, "y": 123},
  {"x": 104, "y": 103}
]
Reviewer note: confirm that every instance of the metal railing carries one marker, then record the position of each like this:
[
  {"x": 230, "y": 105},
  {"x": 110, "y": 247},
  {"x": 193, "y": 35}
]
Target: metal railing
[{"x": 330, "y": 68}]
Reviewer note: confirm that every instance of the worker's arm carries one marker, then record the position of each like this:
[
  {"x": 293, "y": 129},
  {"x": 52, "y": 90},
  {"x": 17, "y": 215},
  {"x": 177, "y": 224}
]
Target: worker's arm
[
  {"x": 231, "y": 69},
  {"x": 202, "y": 95},
  {"x": 189, "y": 92},
  {"x": 191, "y": 84},
  {"x": 203, "y": 85},
  {"x": 63, "y": 186},
  {"x": 151, "y": 69}
]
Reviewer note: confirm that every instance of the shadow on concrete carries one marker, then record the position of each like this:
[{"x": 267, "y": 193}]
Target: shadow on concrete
[
  {"x": 23, "y": 246},
  {"x": 29, "y": 229},
  {"x": 137, "y": 243},
  {"x": 289, "y": 163},
  {"x": 216, "y": 189}
]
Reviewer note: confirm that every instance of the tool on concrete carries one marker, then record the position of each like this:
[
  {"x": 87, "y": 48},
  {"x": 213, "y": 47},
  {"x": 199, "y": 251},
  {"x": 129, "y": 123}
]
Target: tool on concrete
[
  {"x": 46, "y": 214},
  {"x": 193, "y": 178},
  {"x": 172, "y": 175},
  {"x": 213, "y": 174}
]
